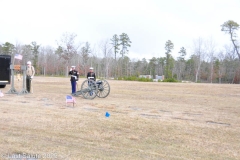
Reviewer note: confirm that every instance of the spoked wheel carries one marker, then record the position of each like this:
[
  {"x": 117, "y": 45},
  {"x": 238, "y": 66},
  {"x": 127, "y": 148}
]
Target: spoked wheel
[
  {"x": 103, "y": 88},
  {"x": 89, "y": 89}
]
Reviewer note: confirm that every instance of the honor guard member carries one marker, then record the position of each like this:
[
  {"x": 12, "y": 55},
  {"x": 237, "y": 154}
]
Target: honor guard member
[
  {"x": 30, "y": 75},
  {"x": 74, "y": 77},
  {"x": 91, "y": 75}
]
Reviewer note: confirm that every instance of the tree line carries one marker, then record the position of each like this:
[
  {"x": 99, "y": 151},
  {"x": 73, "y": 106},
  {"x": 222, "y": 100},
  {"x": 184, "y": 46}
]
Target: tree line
[{"x": 110, "y": 58}]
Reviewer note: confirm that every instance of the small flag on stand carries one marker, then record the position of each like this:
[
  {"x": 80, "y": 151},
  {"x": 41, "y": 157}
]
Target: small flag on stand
[
  {"x": 70, "y": 99},
  {"x": 18, "y": 56}
]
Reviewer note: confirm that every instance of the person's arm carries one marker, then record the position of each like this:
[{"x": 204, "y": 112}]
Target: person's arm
[
  {"x": 70, "y": 71},
  {"x": 87, "y": 75},
  {"x": 33, "y": 71},
  {"x": 77, "y": 76}
]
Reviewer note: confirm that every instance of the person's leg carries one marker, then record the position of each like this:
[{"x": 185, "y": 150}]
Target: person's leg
[
  {"x": 91, "y": 85},
  {"x": 28, "y": 84},
  {"x": 74, "y": 86}
]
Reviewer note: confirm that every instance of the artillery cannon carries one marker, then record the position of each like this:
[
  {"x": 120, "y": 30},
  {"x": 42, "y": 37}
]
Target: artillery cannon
[{"x": 90, "y": 89}]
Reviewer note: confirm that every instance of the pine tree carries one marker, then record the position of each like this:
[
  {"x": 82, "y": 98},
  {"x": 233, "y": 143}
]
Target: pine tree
[{"x": 125, "y": 43}]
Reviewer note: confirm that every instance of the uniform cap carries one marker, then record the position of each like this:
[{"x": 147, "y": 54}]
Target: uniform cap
[
  {"x": 29, "y": 62},
  {"x": 91, "y": 68},
  {"x": 73, "y": 66}
]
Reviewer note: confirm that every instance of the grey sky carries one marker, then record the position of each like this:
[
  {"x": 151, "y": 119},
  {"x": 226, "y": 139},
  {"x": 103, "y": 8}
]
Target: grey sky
[{"x": 148, "y": 23}]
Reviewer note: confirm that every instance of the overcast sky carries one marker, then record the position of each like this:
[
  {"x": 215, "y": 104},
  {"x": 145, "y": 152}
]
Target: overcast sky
[{"x": 148, "y": 23}]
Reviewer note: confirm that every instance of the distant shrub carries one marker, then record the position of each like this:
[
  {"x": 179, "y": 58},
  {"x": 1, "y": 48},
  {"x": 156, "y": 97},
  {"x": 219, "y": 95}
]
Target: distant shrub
[
  {"x": 142, "y": 79},
  {"x": 134, "y": 78},
  {"x": 170, "y": 80}
]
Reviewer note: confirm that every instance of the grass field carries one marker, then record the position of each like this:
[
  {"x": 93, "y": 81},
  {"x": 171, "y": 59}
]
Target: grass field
[{"x": 148, "y": 120}]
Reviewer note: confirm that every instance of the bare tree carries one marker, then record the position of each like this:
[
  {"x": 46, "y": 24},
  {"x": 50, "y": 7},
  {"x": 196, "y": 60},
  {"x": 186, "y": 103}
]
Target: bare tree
[
  {"x": 84, "y": 54},
  {"x": 95, "y": 60},
  {"x": 106, "y": 50},
  {"x": 48, "y": 60},
  {"x": 220, "y": 66},
  {"x": 230, "y": 62},
  {"x": 35, "y": 52},
  {"x": 18, "y": 50},
  {"x": 210, "y": 47},
  {"x": 67, "y": 48},
  {"x": 26, "y": 53},
  {"x": 199, "y": 54}
]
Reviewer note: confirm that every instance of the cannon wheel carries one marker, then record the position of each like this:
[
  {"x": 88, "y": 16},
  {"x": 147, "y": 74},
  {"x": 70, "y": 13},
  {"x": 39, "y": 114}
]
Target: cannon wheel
[
  {"x": 103, "y": 89},
  {"x": 89, "y": 89}
]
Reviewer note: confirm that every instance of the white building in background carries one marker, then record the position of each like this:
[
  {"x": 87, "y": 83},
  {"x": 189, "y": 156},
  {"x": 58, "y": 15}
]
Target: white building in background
[
  {"x": 157, "y": 77},
  {"x": 160, "y": 77},
  {"x": 145, "y": 76}
]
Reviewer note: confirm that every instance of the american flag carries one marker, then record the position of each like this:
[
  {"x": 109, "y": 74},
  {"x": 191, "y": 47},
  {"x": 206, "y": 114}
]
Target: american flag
[
  {"x": 18, "y": 56},
  {"x": 70, "y": 99}
]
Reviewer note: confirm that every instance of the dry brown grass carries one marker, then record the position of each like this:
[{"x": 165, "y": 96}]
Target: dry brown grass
[{"x": 148, "y": 121}]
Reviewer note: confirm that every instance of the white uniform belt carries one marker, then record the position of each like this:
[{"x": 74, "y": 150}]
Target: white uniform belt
[
  {"x": 74, "y": 76},
  {"x": 90, "y": 77},
  {"x": 3, "y": 81}
]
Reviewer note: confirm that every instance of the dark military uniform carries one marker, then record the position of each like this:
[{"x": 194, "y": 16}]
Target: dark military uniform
[
  {"x": 74, "y": 77},
  {"x": 91, "y": 75}
]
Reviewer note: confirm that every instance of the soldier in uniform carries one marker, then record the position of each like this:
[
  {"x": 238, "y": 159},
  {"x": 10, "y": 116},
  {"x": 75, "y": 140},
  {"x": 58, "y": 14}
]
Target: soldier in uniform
[
  {"x": 91, "y": 75},
  {"x": 30, "y": 74},
  {"x": 74, "y": 78}
]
